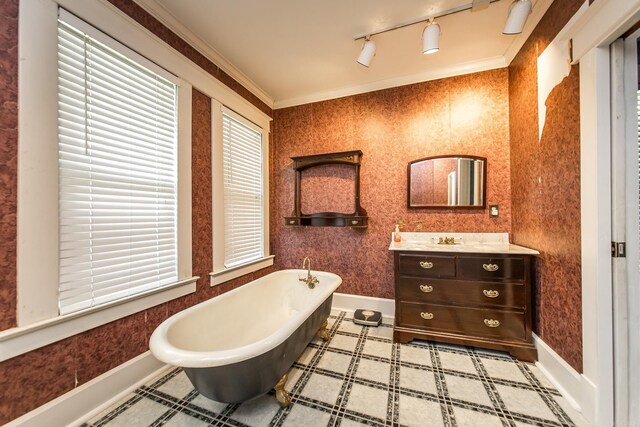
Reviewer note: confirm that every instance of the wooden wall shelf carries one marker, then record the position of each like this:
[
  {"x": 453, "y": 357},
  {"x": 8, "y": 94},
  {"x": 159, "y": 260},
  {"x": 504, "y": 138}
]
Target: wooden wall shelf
[{"x": 357, "y": 219}]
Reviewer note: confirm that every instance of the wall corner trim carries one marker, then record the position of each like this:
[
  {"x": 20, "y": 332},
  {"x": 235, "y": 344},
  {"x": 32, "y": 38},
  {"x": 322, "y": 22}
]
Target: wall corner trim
[
  {"x": 91, "y": 398},
  {"x": 576, "y": 388}
]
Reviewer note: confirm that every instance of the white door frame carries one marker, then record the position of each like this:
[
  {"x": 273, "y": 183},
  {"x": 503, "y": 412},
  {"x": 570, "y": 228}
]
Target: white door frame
[{"x": 595, "y": 189}]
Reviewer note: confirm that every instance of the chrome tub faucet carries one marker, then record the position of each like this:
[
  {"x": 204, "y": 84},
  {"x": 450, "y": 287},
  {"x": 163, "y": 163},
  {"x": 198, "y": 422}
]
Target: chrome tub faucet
[{"x": 310, "y": 280}]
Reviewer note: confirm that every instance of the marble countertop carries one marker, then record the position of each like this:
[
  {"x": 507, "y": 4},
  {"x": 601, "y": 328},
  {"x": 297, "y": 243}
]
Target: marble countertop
[{"x": 464, "y": 243}]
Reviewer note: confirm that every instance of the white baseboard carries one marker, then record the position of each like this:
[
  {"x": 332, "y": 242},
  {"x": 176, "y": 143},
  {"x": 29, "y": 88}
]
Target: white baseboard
[
  {"x": 350, "y": 303},
  {"x": 568, "y": 381},
  {"x": 87, "y": 400}
]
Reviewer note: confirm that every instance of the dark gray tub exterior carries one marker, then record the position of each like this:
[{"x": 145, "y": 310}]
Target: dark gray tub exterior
[{"x": 253, "y": 377}]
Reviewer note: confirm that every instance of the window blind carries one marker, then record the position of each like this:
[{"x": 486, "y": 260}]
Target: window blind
[
  {"x": 243, "y": 198},
  {"x": 117, "y": 147}
]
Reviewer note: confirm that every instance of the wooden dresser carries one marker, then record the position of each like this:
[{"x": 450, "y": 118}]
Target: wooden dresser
[{"x": 475, "y": 299}]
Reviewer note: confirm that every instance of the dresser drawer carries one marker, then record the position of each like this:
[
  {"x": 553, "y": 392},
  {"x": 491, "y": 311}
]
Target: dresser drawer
[
  {"x": 489, "y": 268},
  {"x": 461, "y": 292},
  {"x": 426, "y": 265},
  {"x": 478, "y": 322}
]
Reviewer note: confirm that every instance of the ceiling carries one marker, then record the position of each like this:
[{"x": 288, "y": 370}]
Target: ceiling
[{"x": 291, "y": 52}]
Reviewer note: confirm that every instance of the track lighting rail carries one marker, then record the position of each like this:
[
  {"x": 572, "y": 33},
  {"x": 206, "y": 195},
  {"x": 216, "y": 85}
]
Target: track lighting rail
[{"x": 419, "y": 20}]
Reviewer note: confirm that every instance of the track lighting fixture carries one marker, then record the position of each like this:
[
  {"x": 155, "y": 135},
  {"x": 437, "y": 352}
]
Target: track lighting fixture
[
  {"x": 368, "y": 52},
  {"x": 518, "y": 14},
  {"x": 431, "y": 38}
]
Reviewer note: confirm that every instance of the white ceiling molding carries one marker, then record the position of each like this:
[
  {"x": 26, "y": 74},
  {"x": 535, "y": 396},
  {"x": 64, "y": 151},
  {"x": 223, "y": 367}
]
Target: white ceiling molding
[
  {"x": 167, "y": 19},
  {"x": 455, "y": 70},
  {"x": 265, "y": 44},
  {"x": 539, "y": 9}
]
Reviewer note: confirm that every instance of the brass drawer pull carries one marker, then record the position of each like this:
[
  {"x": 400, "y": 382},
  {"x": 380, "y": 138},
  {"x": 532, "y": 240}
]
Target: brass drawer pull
[
  {"x": 490, "y": 267},
  {"x": 492, "y": 323},
  {"x": 427, "y": 316},
  {"x": 426, "y": 288},
  {"x": 426, "y": 264},
  {"x": 490, "y": 293}
]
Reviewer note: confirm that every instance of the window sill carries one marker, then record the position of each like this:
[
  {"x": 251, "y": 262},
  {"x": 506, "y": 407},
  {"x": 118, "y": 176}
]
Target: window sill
[
  {"x": 219, "y": 277},
  {"x": 20, "y": 340}
]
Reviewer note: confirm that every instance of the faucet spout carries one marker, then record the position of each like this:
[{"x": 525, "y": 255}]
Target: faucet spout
[{"x": 310, "y": 280}]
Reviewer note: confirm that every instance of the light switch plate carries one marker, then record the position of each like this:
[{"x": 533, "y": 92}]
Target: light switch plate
[{"x": 494, "y": 211}]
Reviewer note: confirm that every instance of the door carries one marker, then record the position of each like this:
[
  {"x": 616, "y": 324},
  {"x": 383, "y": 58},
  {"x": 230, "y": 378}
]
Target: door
[{"x": 625, "y": 180}]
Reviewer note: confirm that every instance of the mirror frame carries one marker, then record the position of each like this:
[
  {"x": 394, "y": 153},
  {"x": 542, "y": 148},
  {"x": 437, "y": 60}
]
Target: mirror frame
[{"x": 448, "y": 156}]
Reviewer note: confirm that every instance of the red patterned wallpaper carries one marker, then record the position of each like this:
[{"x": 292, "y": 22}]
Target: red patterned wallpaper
[
  {"x": 8, "y": 159},
  {"x": 545, "y": 185},
  {"x": 466, "y": 114},
  {"x": 338, "y": 179}
]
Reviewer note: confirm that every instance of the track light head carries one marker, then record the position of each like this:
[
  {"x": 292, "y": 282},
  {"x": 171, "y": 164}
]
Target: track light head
[
  {"x": 431, "y": 38},
  {"x": 367, "y": 53},
  {"x": 518, "y": 14}
]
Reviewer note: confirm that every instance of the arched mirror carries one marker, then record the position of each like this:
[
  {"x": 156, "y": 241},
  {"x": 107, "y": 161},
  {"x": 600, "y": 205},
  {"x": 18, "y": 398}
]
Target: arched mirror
[{"x": 447, "y": 182}]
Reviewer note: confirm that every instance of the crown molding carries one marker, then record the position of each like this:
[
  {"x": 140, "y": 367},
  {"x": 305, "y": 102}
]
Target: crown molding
[
  {"x": 159, "y": 12},
  {"x": 167, "y": 19},
  {"x": 456, "y": 70}
]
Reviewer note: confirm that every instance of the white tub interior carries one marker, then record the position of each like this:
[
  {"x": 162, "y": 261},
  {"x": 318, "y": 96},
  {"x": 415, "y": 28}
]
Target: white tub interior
[{"x": 266, "y": 310}]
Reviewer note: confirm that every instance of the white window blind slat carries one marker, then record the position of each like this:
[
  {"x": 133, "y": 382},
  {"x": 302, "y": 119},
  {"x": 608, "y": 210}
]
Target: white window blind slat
[
  {"x": 117, "y": 124},
  {"x": 243, "y": 198},
  {"x": 115, "y": 265}
]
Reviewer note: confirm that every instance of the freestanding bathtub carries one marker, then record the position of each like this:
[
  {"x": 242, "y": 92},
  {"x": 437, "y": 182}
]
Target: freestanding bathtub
[{"x": 238, "y": 345}]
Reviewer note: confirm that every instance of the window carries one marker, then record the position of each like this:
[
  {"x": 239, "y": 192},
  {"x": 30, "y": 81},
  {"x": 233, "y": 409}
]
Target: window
[
  {"x": 240, "y": 199},
  {"x": 117, "y": 139},
  {"x": 104, "y": 172},
  {"x": 243, "y": 207}
]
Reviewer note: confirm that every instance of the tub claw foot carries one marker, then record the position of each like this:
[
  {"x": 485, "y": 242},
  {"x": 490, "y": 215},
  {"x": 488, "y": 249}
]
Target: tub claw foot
[
  {"x": 323, "y": 332},
  {"x": 282, "y": 396}
]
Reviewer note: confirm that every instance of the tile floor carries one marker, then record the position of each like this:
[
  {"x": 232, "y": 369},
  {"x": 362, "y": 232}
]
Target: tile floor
[{"x": 361, "y": 378}]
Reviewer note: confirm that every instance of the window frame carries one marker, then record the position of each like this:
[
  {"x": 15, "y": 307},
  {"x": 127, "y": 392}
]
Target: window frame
[
  {"x": 221, "y": 273},
  {"x": 83, "y": 27},
  {"x": 38, "y": 239}
]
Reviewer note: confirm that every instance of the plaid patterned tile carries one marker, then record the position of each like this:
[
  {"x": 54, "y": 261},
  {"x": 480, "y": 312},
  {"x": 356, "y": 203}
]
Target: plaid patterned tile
[
  {"x": 374, "y": 370},
  {"x": 256, "y": 412},
  {"x": 365, "y": 401},
  {"x": 419, "y": 412},
  {"x": 360, "y": 378}
]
